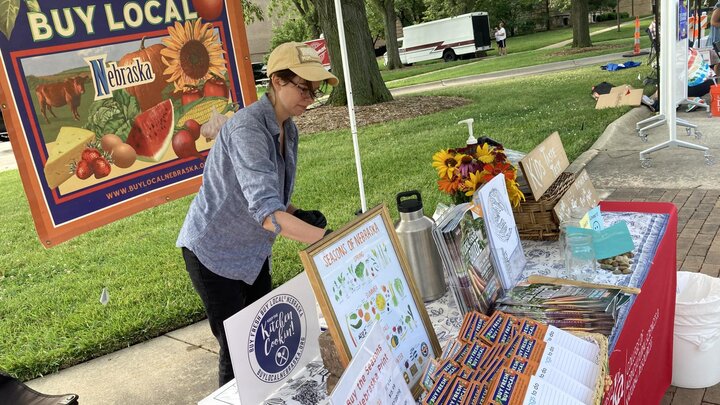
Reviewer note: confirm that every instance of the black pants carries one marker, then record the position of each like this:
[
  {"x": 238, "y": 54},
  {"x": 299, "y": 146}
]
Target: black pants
[
  {"x": 701, "y": 89},
  {"x": 223, "y": 298}
]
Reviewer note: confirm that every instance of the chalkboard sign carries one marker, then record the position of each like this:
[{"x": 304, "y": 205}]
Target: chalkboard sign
[
  {"x": 361, "y": 277},
  {"x": 544, "y": 164},
  {"x": 580, "y": 194}
]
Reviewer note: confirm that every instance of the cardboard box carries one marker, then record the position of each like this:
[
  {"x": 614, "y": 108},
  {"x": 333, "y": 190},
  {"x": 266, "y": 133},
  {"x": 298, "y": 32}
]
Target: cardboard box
[{"x": 619, "y": 96}]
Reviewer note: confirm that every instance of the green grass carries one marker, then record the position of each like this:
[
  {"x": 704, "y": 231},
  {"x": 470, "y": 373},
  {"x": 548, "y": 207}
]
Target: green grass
[{"x": 50, "y": 314}]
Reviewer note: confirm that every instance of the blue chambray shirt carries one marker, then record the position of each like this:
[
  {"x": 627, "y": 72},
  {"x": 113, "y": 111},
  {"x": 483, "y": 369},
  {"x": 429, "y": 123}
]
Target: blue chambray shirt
[{"x": 245, "y": 179}]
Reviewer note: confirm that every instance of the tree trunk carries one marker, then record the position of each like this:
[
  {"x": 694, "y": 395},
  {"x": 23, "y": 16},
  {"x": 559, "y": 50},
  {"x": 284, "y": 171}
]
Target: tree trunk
[
  {"x": 391, "y": 35},
  {"x": 581, "y": 27},
  {"x": 367, "y": 84},
  {"x": 548, "y": 25}
]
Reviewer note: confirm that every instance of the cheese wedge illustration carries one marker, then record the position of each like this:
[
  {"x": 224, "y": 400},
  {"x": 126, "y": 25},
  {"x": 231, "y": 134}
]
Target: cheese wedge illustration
[{"x": 66, "y": 149}]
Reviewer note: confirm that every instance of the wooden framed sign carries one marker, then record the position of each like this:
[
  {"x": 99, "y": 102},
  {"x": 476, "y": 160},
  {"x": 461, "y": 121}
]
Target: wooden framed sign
[
  {"x": 544, "y": 164},
  {"x": 72, "y": 72},
  {"x": 361, "y": 277},
  {"x": 580, "y": 194}
]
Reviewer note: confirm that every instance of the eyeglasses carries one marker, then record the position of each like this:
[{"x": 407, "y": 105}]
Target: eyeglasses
[{"x": 307, "y": 92}]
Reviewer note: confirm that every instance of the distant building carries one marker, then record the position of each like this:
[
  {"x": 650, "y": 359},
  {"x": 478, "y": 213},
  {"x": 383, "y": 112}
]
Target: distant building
[{"x": 259, "y": 34}]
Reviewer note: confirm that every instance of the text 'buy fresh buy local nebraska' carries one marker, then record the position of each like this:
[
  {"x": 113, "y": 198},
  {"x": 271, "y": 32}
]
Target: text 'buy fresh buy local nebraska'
[{"x": 66, "y": 21}]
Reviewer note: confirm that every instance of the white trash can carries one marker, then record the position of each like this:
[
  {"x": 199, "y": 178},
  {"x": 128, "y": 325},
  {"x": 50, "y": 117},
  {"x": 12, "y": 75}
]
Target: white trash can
[{"x": 696, "y": 340}]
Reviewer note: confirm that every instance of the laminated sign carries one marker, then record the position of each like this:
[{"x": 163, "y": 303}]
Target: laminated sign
[{"x": 104, "y": 102}]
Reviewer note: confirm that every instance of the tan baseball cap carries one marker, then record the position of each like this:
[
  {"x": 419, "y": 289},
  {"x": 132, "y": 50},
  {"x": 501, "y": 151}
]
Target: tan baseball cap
[{"x": 301, "y": 60}]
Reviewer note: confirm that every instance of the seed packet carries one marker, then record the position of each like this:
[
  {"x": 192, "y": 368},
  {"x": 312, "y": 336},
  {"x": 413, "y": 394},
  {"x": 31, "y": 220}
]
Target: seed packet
[
  {"x": 456, "y": 394},
  {"x": 442, "y": 384},
  {"x": 523, "y": 366},
  {"x": 475, "y": 355},
  {"x": 467, "y": 327},
  {"x": 508, "y": 387},
  {"x": 446, "y": 366},
  {"x": 491, "y": 330},
  {"x": 528, "y": 348},
  {"x": 476, "y": 393},
  {"x": 427, "y": 381}
]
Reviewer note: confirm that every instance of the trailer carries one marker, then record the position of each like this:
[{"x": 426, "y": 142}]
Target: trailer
[{"x": 447, "y": 39}]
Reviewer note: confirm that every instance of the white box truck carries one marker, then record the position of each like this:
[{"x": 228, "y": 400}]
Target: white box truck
[{"x": 448, "y": 38}]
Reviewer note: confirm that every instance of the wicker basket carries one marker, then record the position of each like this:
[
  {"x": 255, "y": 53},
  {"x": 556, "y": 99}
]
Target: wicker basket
[{"x": 535, "y": 219}]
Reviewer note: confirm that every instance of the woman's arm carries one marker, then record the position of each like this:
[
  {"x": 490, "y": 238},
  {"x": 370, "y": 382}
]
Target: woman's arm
[{"x": 293, "y": 228}]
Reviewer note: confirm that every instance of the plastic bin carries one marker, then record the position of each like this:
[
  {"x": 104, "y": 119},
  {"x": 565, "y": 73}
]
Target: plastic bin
[{"x": 696, "y": 340}]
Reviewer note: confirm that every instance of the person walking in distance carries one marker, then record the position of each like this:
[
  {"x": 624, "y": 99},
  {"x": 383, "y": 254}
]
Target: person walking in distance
[
  {"x": 500, "y": 37},
  {"x": 244, "y": 201}
]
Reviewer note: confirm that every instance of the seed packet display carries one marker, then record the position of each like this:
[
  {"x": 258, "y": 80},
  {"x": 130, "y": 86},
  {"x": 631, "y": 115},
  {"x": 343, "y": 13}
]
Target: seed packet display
[{"x": 565, "y": 383}]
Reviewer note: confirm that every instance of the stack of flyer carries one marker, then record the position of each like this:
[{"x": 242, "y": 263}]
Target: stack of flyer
[
  {"x": 465, "y": 255},
  {"x": 568, "y": 307},
  {"x": 502, "y": 359}
]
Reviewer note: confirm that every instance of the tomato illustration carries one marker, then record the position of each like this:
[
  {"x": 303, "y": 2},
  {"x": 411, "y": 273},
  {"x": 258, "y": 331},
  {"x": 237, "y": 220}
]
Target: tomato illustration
[
  {"x": 208, "y": 9},
  {"x": 190, "y": 94},
  {"x": 216, "y": 87}
]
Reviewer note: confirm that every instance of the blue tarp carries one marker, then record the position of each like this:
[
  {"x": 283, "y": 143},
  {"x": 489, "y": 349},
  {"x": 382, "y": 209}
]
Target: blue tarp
[{"x": 615, "y": 66}]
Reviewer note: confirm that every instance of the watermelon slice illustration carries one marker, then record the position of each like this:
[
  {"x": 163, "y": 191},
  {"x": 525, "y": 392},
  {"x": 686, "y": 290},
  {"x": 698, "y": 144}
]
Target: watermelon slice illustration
[{"x": 152, "y": 131}]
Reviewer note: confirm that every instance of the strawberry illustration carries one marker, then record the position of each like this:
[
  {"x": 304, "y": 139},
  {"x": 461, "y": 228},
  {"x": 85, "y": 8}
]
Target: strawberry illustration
[
  {"x": 90, "y": 154},
  {"x": 82, "y": 169},
  {"x": 101, "y": 167}
]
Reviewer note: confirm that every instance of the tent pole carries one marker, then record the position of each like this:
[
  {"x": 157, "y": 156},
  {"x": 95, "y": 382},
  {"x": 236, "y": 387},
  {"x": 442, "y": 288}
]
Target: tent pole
[{"x": 350, "y": 101}]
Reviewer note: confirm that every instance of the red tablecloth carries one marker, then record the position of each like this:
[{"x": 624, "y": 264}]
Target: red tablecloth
[{"x": 641, "y": 363}]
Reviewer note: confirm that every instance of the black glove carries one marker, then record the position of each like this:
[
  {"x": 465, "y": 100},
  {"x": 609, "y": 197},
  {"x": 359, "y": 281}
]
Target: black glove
[
  {"x": 314, "y": 217},
  {"x": 328, "y": 232}
]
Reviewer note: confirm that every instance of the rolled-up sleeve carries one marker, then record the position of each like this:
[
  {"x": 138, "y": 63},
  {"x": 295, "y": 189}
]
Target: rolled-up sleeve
[{"x": 251, "y": 149}]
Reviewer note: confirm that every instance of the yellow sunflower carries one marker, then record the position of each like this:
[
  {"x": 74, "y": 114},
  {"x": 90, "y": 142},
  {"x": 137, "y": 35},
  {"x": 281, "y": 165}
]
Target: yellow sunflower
[
  {"x": 474, "y": 183},
  {"x": 446, "y": 163},
  {"x": 485, "y": 154},
  {"x": 514, "y": 192},
  {"x": 192, "y": 53}
]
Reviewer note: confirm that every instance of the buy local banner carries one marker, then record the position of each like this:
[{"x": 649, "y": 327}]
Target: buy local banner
[{"x": 105, "y": 102}]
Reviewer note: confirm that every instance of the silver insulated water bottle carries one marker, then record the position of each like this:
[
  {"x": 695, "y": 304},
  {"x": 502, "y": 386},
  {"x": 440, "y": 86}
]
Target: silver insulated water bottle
[{"x": 415, "y": 233}]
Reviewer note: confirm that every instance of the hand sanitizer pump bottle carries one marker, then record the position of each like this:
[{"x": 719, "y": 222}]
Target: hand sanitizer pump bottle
[{"x": 471, "y": 141}]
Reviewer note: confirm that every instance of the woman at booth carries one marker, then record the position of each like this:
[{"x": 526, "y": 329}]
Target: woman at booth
[{"x": 244, "y": 201}]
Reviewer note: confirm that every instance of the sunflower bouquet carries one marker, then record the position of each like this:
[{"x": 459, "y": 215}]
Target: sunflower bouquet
[{"x": 464, "y": 170}]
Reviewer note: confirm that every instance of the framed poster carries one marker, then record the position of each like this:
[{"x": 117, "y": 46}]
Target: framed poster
[
  {"x": 361, "y": 277},
  {"x": 75, "y": 71}
]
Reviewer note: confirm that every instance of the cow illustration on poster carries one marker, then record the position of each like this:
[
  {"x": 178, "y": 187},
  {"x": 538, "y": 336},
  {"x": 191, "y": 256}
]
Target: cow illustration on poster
[{"x": 106, "y": 102}]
